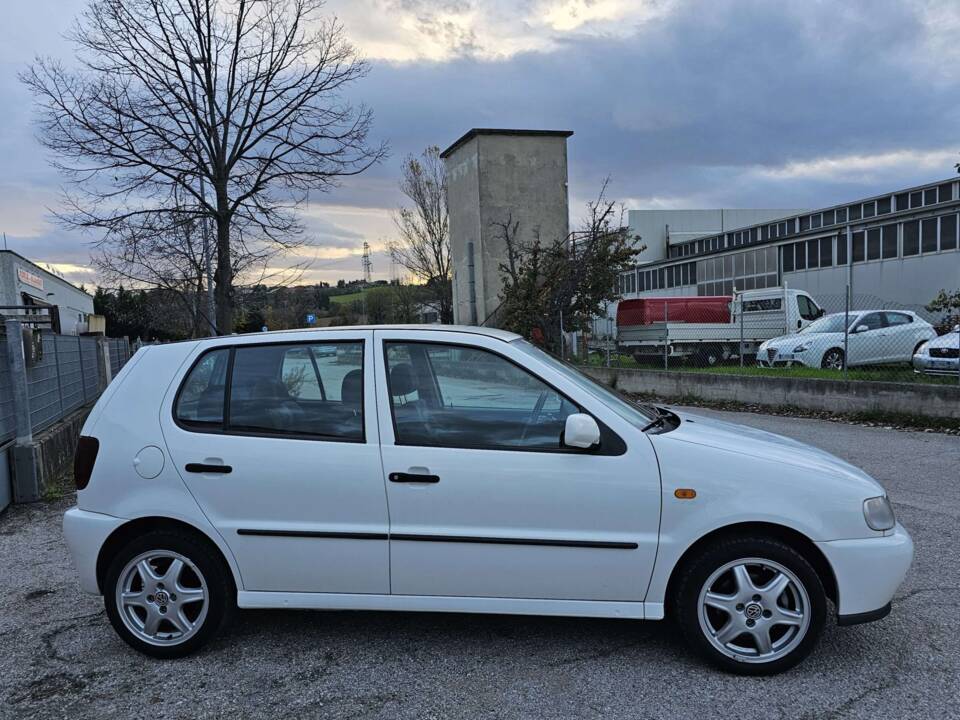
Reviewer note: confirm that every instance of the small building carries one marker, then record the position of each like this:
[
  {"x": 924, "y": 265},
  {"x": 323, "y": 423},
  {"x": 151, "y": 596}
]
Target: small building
[
  {"x": 23, "y": 282},
  {"x": 497, "y": 176}
]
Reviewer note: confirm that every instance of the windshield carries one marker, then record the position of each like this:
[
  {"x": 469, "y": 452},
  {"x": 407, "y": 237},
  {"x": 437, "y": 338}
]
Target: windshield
[
  {"x": 828, "y": 324},
  {"x": 637, "y": 414}
]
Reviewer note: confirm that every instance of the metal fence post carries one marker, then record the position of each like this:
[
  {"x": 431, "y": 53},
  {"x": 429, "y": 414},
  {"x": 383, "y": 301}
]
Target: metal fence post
[
  {"x": 666, "y": 336},
  {"x": 56, "y": 369},
  {"x": 846, "y": 329},
  {"x": 26, "y": 487},
  {"x": 740, "y": 311},
  {"x": 83, "y": 379}
]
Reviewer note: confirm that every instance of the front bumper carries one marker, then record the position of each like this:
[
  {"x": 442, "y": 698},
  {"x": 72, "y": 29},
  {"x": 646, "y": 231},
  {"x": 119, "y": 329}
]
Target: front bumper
[
  {"x": 936, "y": 366},
  {"x": 868, "y": 572},
  {"x": 769, "y": 357},
  {"x": 85, "y": 533}
]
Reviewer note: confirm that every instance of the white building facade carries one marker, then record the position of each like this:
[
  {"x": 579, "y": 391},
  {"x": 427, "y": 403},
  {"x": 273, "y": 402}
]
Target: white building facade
[{"x": 24, "y": 283}]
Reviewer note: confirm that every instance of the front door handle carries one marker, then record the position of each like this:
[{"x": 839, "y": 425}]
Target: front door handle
[
  {"x": 413, "y": 478},
  {"x": 207, "y": 468}
]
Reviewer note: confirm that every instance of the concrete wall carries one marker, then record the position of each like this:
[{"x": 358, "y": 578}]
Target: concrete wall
[
  {"x": 46, "y": 289},
  {"x": 651, "y": 225},
  {"x": 939, "y": 401},
  {"x": 493, "y": 175}
]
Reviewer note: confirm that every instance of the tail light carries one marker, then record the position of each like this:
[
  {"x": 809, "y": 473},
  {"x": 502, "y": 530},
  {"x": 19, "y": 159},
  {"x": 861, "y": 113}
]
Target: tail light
[{"x": 84, "y": 459}]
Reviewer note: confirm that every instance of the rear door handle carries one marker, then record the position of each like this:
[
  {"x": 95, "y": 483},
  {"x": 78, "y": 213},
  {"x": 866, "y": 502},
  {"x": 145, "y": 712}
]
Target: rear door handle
[
  {"x": 413, "y": 478},
  {"x": 206, "y": 468}
]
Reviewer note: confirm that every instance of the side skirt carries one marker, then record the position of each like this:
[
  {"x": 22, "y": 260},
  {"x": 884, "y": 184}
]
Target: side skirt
[{"x": 431, "y": 603}]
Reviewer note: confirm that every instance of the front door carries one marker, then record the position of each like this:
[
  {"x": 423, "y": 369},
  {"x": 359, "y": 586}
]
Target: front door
[
  {"x": 485, "y": 501},
  {"x": 867, "y": 342},
  {"x": 278, "y": 444}
]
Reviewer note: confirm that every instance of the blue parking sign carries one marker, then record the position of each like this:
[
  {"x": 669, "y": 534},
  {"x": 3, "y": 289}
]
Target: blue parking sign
[{"x": 311, "y": 319}]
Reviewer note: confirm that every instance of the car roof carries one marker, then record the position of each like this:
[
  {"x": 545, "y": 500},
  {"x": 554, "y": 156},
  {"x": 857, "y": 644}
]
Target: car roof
[{"x": 495, "y": 333}]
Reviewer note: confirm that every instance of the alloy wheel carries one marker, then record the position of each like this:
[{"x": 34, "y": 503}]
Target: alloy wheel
[
  {"x": 162, "y": 597},
  {"x": 754, "y": 610}
]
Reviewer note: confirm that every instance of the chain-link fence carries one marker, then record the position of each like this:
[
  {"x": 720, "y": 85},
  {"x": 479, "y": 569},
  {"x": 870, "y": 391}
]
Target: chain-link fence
[{"x": 783, "y": 332}]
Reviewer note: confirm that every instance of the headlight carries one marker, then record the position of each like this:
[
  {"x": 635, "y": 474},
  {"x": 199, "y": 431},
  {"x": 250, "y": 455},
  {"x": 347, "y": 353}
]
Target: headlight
[
  {"x": 878, "y": 513},
  {"x": 802, "y": 347},
  {"x": 922, "y": 350}
]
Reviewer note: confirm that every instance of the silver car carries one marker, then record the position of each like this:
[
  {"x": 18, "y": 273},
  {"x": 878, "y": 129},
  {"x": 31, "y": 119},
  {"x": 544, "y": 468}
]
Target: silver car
[{"x": 940, "y": 356}]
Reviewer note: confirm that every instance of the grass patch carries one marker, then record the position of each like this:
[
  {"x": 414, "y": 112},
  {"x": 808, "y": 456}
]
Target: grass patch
[
  {"x": 348, "y": 298},
  {"x": 881, "y": 374}
]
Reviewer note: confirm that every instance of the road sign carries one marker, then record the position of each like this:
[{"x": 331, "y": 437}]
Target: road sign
[
  {"x": 263, "y": 329},
  {"x": 311, "y": 319}
]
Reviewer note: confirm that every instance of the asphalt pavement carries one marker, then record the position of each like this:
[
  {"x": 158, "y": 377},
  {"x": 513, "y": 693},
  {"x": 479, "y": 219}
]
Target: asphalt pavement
[{"x": 59, "y": 657}]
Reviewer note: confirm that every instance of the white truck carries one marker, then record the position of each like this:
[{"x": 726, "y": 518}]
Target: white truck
[{"x": 709, "y": 330}]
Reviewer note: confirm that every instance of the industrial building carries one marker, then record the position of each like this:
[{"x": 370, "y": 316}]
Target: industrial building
[
  {"x": 23, "y": 282},
  {"x": 900, "y": 248}
]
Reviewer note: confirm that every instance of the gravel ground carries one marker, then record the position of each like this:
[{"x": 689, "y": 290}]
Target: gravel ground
[{"x": 59, "y": 656}]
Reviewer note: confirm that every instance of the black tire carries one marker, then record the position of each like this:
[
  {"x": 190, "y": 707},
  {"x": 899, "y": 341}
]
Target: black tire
[
  {"x": 220, "y": 592},
  {"x": 699, "y": 569},
  {"x": 708, "y": 357},
  {"x": 831, "y": 358}
]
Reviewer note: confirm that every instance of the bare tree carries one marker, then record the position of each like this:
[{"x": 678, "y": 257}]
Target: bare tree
[
  {"x": 554, "y": 282},
  {"x": 423, "y": 246},
  {"x": 172, "y": 97}
]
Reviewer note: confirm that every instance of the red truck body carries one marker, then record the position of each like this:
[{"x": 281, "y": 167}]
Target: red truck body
[{"x": 692, "y": 309}]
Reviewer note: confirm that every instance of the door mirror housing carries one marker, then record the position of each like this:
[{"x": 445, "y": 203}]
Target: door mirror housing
[
  {"x": 581, "y": 431},
  {"x": 860, "y": 328}
]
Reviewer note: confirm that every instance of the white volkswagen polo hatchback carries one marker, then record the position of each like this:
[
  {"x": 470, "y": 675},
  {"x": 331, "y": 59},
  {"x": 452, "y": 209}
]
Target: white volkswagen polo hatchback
[{"x": 458, "y": 470}]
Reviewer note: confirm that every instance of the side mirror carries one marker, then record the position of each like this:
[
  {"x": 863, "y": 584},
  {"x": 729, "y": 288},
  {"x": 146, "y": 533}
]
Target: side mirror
[
  {"x": 581, "y": 431},
  {"x": 860, "y": 328}
]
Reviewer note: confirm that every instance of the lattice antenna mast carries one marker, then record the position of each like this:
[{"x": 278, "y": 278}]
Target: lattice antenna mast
[{"x": 367, "y": 264}]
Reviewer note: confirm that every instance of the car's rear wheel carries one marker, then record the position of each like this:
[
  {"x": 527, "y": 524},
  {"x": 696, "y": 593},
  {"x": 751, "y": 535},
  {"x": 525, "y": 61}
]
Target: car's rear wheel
[
  {"x": 753, "y": 606},
  {"x": 167, "y": 593},
  {"x": 832, "y": 359}
]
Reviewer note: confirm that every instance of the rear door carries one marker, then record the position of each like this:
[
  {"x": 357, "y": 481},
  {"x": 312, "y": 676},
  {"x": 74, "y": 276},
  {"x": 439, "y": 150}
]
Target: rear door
[
  {"x": 903, "y": 335},
  {"x": 485, "y": 501},
  {"x": 278, "y": 443}
]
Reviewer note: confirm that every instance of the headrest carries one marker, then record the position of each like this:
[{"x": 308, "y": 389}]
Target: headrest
[
  {"x": 351, "y": 389},
  {"x": 403, "y": 380}
]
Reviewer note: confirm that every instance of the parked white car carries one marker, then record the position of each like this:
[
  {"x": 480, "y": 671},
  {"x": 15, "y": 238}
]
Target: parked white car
[
  {"x": 939, "y": 356},
  {"x": 876, "y": 337},
  {"x": 451, "y": 469}
]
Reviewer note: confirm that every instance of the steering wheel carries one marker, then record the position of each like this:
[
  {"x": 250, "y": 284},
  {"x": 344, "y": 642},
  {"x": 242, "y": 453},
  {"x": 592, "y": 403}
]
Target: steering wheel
[{"x": 535, "y": 415}]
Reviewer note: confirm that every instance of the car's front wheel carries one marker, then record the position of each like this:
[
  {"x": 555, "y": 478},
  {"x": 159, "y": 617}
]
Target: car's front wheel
[
  {"x": 832, "y": 359},
  {"x": 167, "y": 593},
  {"x": 753, "y": 606}
]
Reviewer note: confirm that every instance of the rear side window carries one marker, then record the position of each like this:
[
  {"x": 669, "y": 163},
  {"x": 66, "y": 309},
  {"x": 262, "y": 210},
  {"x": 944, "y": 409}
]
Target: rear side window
[
  {"x": 300, "y": 390},
  {"x": 200, "y": 401},
  {"x": 895, "y": 318}
]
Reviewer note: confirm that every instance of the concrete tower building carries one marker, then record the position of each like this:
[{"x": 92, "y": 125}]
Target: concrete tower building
[{"x": 493, "y": 175}]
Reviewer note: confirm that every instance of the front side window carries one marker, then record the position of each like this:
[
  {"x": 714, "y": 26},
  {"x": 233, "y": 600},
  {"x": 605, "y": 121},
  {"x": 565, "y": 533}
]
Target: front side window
[
  {"x": 870, "y": 321},
  {"x": 457, "y": 396},
  {"x": 808, "y": 311}
]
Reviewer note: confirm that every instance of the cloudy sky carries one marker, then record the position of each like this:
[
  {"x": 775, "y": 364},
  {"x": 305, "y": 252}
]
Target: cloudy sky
[{"x": 684, "y": 103}]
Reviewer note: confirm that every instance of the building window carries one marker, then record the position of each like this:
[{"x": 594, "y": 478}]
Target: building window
[
  {"x": 826, "y": 252},
  {"x": 842, "y": 215},
  {"x": 883, "y": 206},
  {"x": 903, "y": 201},
  {"x": 930, "y": 196},
  {"x": 787, "y": 261},
  {"x": 859, "y": 250},
  {"x": 945, "y": 192},
  {"x": 813, "y": 253},
  {"x": 911, "y": 238},
  {"x": 869, "y": 209},
  {"x": 800, "y": 256},
  {"x": 948, "y": 232},
  {"x": 873, "y": 244},
  {"x": 815, "y": 221},
  {"x": 804, "y": 223},
  {"x": 828, "y": 218},
  {"x": 889, "y": 247},
  {"x": 928, "y": 235},
  {"x": 854, "y": 212},
  {"x": 842, "y": 258},
  {"x": 916, "y": 199}
]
